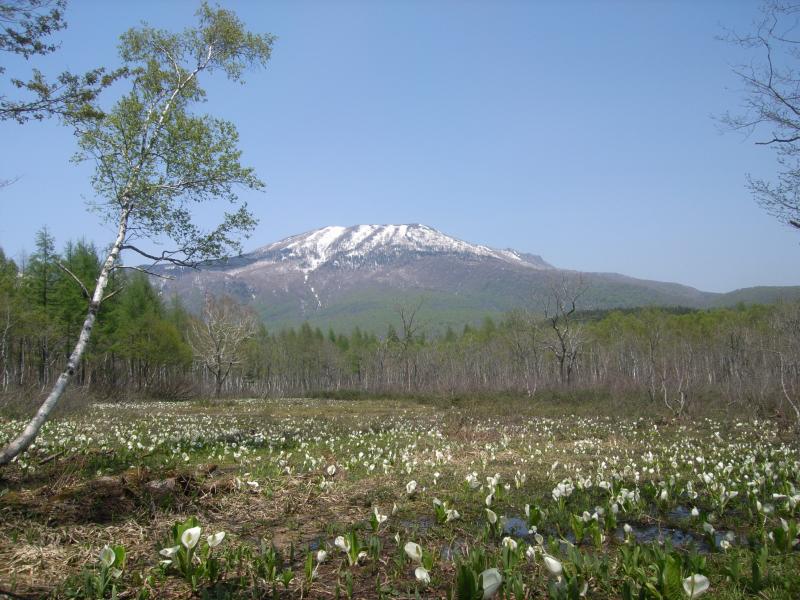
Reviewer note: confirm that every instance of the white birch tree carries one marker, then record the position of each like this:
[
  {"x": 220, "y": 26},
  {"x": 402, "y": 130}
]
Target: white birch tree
[{"x": 155, "y": 159}]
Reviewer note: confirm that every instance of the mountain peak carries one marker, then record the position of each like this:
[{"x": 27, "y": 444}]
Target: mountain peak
[
  {"x": 336, "y": 245},
  {"x": 352, "y": 277}
]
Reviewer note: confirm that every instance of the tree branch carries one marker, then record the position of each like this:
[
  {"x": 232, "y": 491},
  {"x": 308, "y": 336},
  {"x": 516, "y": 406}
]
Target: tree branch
[
  {"x": 142, "y": 270},
  {"x": 165, "y": 256},
  {"x": 112, "y": 294},
  {"x": 85, "y": 291}
]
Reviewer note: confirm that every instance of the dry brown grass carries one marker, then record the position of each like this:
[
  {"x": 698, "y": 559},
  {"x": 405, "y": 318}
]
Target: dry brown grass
[{"x": 51, "y": 532}]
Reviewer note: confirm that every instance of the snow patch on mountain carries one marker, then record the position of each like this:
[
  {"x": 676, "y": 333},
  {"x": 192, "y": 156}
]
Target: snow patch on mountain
[{"x": 338, "y": 245}]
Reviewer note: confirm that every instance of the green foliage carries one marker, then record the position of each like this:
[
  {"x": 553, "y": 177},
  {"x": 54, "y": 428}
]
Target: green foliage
[
  {"x": 266, "y": 563},
  {"x": 46, "y": 307},
  {"x": 190, "y": 555},
  {"x": 143, "y": 334},
  {"x": 667, "y": 581},
  {"x": 100, "y": 582},
  {"x": 785, "y": 536},
  {"x": 174, "y": 158},
  {"x": 759, "y": 573},
  {"x": 467, "y": 585},
  {"x": 28, "y": 27}
]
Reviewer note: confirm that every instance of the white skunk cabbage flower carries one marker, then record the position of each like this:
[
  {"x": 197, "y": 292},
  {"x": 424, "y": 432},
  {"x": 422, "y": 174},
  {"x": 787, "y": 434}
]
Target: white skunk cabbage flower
[
  {"x": 490, "y": 582},
  {"x": 107, "y": 556},
  {"x": 510, "y": 543},
  {"x": 169, "y": 552},
  {"x": 695, "y": 585},
  {"x": 422, "y": 575},
  {"x": 190, "y": 537},
  {"x": 341, "y": 543},
  {"x": 216, "y": 539},
  {"x": 552, "y": 565},
  {"x": 414, "y": 551}
]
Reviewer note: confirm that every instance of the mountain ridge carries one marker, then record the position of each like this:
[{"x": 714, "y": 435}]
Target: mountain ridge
[
  {"x": 357, "y": 275},
  {"x": 318, "y": 246}
]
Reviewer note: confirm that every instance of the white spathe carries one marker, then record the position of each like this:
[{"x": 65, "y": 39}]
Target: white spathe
[
  {"x": 414, "y": 551},
  {"x": 491, "y": 579},
  {"x": 696, "y": 585},
  {"x": 107, "y": 557},
  {"x": 190, "y": 537},
  {"x": 552, "y": 565},
  {"x": 341, "y": 543}
]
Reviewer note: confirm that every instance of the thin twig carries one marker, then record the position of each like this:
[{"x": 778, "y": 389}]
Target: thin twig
[
  {"x": 112, "y": 294},
  {"x": 86, "y": 293},
  {"x": 52, "y": 457}
]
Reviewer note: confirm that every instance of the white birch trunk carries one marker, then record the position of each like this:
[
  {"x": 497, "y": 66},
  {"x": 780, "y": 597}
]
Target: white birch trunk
[{"x": 23, "y": 440}]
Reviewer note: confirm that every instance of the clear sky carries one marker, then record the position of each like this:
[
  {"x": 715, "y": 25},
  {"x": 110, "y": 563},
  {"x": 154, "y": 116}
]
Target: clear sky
[{"x": 581, "y": 131}]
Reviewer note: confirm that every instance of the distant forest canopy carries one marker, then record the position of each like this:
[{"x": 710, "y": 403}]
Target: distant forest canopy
[{"x": 147, "y": 346}]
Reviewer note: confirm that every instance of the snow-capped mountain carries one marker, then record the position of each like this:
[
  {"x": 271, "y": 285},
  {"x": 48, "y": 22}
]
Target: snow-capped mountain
[
  {"x": 357, "y": 276},
  {"x": 362, "y": 245}
]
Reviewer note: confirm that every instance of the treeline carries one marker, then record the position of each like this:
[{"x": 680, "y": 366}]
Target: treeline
[
  {"x": 137, "y": 346},
  {"x": 146, "y": 346}
]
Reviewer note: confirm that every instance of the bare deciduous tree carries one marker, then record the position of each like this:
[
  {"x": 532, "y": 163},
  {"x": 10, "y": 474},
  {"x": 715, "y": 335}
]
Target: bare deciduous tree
[
  {"x": 560, "y": 306},
  {"x": 411, "y": 325},
  {"x": 786, "y": 346},
  {"x": 772, "y": 104},
  {"x": 524, "y": 333},
  {"x": 218, "y": 338}
]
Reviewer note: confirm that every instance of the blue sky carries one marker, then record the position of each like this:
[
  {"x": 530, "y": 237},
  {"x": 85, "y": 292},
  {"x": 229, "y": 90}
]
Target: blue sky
[{"x": 581, "y": 131}]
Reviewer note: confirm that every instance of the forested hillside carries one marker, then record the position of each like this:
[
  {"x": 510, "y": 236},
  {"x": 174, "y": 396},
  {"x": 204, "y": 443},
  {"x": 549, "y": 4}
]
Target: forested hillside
[{"x": 149, "y": 346}]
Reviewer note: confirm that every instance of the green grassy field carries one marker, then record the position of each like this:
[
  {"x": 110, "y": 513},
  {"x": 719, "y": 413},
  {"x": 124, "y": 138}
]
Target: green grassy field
[{"x": 316, "y": 500}]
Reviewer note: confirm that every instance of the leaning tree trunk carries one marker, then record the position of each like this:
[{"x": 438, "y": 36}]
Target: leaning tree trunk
[{"x": 25, "y": 439}]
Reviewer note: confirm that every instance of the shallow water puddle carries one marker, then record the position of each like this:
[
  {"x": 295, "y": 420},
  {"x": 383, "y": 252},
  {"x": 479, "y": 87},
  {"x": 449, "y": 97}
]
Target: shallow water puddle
[
  {"x": 515, "y": 527},
  {"x": 677, "y": 537}
]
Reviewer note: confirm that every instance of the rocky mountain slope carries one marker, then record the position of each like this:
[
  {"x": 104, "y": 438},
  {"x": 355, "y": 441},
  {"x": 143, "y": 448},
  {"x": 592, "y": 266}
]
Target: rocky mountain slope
[{"x": 348, "y": 276}]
